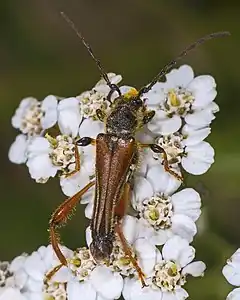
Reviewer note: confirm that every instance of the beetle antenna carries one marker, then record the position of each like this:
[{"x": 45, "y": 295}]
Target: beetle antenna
[
  {"x": 113, "y": 87},
  {"x": 191, "y": 47}
]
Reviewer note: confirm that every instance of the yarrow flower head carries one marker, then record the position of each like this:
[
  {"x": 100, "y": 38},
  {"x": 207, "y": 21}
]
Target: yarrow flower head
[
  {"x": 169, "y": 273},
  {"x": 91, "y": 101},
  {"x": 162, "y": 216},
  {"x": 182, "y": 98}
]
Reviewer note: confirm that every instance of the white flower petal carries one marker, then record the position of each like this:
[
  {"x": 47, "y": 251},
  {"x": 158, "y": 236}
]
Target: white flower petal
[
  {"x": 186, "y": 255},
  {"x": 161, "y": 236},
  {"x": 234, "y": 295},
  {"x": 88, "y": 196},
  {"x": 146, "y": 254},
  {"x": 74, "y": 183},
  {"x": 62, "y": 275},
  {"x": 145, "y": 230},
  {"x": 41, "y": 168},
  {"x": 232, "y": 273},
  {"x": 88, "y": 235},
  {"x": 184, "y": 226},
  {"x": 89, "y": 210},
  {"x": 187, "y": 202},
  {"x": 195, "y": 269},
  {"x": 77, "y": 290},
  {"x": 142, "y": 190},
  {"x": 69, "y": 116},
  {"x": 91, "y": 128},
  {"x": 20, "y": 278},
  {"x": 200, "y": 118},
  {"x": 11, "y": 294},
  {"x": 162, "y": 124},
  {"x": 156, "y": 96},
  {"x": 203, "y": 98},
  {"x": 130, "y": 228},
  {"x": 17, "y": 263},
  {"x": 202, "y": 84},
  {"x": 177, "y": 294},
  {"x": 35, "y": 286},
  {"x": 199, "y": 158},
  {"x": 17, "y": 153},
  {"x": 106, "y": 283},
  {"x": 194, "y": 135},
  {"x": 33, "y": 295},
  {"x": 168, "y": 296},
  {"x": 144, "y": 135},
  {"x": 161, "y": 180},
  {"x": 146, "y": 161},
  {"x": 38, "y": 145},
  {"x": 49, "y": 107},
  {"x": 213, "y": 107},
  {"x": 133, "y": 291},
  {"x": 173, "y": 248},
  {"x": 34, "y": 266},
  {"x": 181, "y": 76}
]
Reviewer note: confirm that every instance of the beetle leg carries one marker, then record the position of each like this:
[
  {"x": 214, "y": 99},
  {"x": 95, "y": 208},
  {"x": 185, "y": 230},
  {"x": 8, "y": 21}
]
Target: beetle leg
[
  {"x": 60, "y": 217},
  {"x": 120, "y": 211},
  {"x": 128, "y": 252},
  {"x": 77, "y": 163},
  {"x": 85, "y": 141},
  {"x": 148, "y": 116},
  {"x": 157, "y": 149}
]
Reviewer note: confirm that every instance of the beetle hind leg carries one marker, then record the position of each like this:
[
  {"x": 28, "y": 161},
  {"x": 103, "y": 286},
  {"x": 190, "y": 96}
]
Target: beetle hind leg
[{"x": 120, "y": 211}]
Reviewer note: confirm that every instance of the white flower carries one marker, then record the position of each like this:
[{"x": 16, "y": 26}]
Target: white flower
[
  {"x": 47, "y": 156},
  {"x": 37, "y": 265},
  {"x": 33, "y": 116},
  {"x": 162, "y": 216},
  {"x": 182, "y": 97},
  {"x": 91, "y": 280},
  {"x": 18, "y": 150},
  {"x": 231, "y": 271},
  {"x": 13, "y": 279},
  {"x": 168, "y": 275},
  {"x": 96, "y": 98},
  {"x": 188, "y": 149}
]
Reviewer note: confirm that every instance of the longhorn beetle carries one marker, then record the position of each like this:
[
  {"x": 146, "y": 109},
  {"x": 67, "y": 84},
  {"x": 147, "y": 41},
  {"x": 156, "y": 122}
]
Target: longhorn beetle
[{"x": 117, "y": 154}]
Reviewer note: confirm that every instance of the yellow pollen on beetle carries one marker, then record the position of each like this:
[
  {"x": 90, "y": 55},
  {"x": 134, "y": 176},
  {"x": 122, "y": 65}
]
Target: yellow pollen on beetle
[{"x": 131, "y": 94}]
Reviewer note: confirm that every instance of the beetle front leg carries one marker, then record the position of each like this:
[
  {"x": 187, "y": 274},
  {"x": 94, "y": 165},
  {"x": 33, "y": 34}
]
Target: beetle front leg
[
  {"x": 157, "y": 149},
  {"x": 77, "y": 163},
  {"x": 84, "y": 141}
]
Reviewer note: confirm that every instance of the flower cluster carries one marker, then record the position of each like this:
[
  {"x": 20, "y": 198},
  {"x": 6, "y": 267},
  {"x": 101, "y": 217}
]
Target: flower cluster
[{"x": 161, "y": 223}]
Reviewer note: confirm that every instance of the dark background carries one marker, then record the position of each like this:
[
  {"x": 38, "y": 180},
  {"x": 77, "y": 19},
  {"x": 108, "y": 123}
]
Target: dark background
[{"x": 40, "y": 55}]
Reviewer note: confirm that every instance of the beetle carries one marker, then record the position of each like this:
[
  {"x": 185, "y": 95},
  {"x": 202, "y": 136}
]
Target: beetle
[{"x": 117, "y": 155}]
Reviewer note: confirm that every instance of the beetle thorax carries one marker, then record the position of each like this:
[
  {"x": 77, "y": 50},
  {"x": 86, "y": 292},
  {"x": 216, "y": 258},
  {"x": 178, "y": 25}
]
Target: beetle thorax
[{"x": 123, "y": 120}]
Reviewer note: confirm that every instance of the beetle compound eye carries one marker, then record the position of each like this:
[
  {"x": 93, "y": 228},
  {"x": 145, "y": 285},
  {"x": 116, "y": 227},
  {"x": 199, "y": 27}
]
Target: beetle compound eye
[{"x": 137, "y": 102}]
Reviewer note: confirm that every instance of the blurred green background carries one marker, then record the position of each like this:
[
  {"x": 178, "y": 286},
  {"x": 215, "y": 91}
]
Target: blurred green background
[{"x": 40, "y": 55}]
